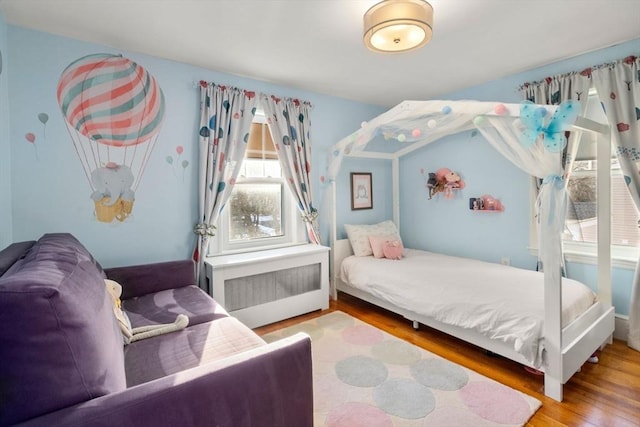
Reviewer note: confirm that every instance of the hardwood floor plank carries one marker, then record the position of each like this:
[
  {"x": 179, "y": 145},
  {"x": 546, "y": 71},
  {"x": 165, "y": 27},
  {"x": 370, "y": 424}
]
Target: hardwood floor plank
[{"x": 606, "y": 394}]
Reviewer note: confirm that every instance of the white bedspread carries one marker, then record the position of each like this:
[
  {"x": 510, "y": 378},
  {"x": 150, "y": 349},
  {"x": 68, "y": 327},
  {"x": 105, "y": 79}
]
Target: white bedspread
[{"x": 501, "y": 302}]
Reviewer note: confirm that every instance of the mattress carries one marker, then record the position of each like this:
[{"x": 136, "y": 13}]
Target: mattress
[{"x": 500, "y": 302}]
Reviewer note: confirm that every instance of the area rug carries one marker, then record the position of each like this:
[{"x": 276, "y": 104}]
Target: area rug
[{"x": 365, "y": 377}]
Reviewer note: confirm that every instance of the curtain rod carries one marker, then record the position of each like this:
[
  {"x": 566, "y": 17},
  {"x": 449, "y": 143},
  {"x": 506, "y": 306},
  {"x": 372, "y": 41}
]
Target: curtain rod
[
  {"x": 198, "y": 83},
  {"x": 586, "y": 71}
]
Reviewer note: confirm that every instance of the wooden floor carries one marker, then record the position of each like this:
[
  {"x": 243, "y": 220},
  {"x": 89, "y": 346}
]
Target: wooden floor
[{"x": 606, "y": 394}]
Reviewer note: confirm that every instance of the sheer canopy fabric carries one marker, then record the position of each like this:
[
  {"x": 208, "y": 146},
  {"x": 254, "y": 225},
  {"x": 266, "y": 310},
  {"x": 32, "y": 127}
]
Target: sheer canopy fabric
[
  {"x": 411, "y": 122},
  {"x": 505, "y": 136},
  {"x": 553, "y": 91}
]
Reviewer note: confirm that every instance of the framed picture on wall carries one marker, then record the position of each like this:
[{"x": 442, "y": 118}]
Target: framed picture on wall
[{"x": 361, "y": 191}]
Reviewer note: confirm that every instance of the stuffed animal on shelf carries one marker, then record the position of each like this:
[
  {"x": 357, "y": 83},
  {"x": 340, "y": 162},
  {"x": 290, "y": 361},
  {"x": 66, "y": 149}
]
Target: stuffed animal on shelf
[
  {"x": 444, "y": 181},
  {"x": 452, "y": 180},
  {"x": 129, "y": 334},
  {"x": 431, "y": 184}
]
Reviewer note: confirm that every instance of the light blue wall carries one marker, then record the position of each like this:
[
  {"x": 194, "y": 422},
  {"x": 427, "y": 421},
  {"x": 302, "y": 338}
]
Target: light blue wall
[
  {"x": 381, "y": 183},
  {"x": 6, "y": 232},
  {"x": 449, "y": 226},
  {"x": 50, "y": 191}
]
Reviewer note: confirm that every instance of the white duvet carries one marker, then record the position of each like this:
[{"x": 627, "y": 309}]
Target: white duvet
[{"x": 501, "y": 302}]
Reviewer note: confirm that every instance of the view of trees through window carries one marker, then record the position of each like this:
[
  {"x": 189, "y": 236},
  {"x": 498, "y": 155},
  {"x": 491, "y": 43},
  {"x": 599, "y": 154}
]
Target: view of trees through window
[
  {"x": 582, "y": 214},
  {"x": 255, "y": 211},
  {"x": 256, "y": 205}
]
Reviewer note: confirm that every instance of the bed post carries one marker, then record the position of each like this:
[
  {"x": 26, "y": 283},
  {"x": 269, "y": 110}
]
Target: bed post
[
  {"x": 603, "y": 178},
  {"x": 333, "y": 291},
  {"x": 395, "y": 173},
  {"x": 553, "y": 329}
]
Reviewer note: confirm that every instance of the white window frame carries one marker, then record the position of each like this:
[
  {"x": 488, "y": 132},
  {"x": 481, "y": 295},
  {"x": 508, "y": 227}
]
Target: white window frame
[
  {"x": 586, "y": 252},
  {"x": 294, "y": 232}
]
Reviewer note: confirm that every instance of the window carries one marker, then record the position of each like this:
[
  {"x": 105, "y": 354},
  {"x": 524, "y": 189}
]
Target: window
[
  {"x": 581, "y": 233},
  {"x": 582, "y": 213},
  {"x": 260, "y": 212}
]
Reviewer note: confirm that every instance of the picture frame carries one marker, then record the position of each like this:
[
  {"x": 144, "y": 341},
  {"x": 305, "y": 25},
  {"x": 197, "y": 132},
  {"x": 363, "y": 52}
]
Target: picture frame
[{"x": 361, "y": 191}]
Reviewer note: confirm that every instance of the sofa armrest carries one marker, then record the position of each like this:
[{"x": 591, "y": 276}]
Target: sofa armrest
[
  {"x": 138, "y": 280},
  {"x": 270, "y": 385}
]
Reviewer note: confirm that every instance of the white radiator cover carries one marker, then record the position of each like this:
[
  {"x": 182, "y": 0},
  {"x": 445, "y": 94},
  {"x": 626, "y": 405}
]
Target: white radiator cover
[{"x": 268, "y": 286}]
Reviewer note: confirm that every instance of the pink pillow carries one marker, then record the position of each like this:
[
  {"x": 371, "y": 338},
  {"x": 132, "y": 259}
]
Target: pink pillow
[
  {"x": 377, "y": 244},
  {"x": 393, "y": 249}
]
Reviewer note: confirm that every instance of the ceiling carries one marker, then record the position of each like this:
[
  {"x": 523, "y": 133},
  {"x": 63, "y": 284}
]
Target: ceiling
[{"x": 316, "y": 45}]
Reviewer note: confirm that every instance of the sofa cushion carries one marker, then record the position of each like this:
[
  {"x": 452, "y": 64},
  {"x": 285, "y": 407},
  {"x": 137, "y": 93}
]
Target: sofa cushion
[
  {"x": 164, "y": 306},
  {"x": 60, "y": 341},
  {"x": 156, "y": 357}
]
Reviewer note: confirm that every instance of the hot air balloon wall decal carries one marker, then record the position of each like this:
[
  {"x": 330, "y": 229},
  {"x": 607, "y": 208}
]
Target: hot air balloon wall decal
[{"x": 113, "y": 109}]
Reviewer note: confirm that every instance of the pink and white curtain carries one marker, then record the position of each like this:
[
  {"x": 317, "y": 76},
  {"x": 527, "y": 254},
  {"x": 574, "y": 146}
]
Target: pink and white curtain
[
  {"x": 226, "y": 114},
  {"x": 618, "y": 86},
  {"x": 290, "y": 127}
]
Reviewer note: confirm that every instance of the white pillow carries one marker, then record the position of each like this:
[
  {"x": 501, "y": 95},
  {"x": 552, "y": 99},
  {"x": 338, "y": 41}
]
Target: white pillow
[{"x": 359, "y": 235}]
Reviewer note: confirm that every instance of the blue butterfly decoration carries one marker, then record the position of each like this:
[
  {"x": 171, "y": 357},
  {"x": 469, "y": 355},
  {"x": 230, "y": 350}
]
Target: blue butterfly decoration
[{"x": 533, "y": 118}]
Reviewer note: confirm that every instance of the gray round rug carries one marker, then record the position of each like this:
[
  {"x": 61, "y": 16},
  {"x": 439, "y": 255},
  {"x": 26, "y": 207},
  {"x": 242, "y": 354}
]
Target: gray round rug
[
  {"x": 404, "y": 398},
  {"x": 439, "y": 374},
  {"x": 361, "y": 371}
]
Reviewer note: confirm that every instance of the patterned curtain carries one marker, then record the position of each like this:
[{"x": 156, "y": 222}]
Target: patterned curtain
[
  {"x": 226, "y": 114},
  {"x": 553, "y": 91},
  {"x": 618, "y": 86},
  {"x": 290, "y": 125}
]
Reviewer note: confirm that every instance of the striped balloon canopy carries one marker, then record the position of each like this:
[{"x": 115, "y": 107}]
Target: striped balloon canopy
[{"x": 111, "y": 100}]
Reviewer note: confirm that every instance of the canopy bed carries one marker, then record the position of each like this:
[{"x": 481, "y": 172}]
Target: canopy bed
[{"x": 565, "y": 333}]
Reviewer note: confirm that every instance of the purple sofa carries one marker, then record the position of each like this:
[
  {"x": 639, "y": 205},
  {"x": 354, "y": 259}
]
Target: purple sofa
[{"x": 63, "y": 361}]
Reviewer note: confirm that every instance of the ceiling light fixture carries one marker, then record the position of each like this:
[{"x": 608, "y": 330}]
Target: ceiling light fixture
[{"x": 395, "y": 26}]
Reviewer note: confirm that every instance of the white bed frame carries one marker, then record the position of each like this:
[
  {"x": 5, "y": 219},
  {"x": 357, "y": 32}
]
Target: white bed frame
[{"x": 566, "y": 349}]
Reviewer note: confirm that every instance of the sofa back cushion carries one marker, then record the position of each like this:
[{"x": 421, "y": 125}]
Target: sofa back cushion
[
  {"x": 12, "y": 253},
  {"x": 59, "y": 340}
]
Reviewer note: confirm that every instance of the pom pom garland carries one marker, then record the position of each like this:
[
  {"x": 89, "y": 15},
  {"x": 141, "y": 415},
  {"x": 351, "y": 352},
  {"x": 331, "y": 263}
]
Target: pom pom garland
[{"x": 500, "y": 109}]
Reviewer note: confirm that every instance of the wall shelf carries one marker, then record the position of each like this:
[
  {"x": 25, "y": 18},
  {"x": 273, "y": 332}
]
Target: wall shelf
[{"x": 486, "y": 203}]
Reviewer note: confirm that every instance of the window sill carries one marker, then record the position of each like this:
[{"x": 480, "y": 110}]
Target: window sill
[
  {"x": 254, "y": 249},
  {"x": 627, "y": 261},
  {"x": 264, "y": 255}
]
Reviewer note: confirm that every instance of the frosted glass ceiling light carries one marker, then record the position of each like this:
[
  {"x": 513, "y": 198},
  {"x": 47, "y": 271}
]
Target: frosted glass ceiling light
[{"x": 398, "y": 25}]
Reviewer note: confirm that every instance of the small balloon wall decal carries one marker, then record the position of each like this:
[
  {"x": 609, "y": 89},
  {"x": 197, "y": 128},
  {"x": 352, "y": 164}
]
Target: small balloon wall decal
[
  {"x": 44, "y": 118},
  {"x": 171, "y": 161},
  {"x": 31, "y": 138},
  {"x": 185, "y": 164}
]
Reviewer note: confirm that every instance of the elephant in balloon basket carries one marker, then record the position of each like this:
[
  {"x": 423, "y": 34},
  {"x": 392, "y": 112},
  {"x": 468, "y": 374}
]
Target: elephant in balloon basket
[{"x": 113, "y": 196}]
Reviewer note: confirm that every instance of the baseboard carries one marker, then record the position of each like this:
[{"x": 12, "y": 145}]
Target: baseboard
[{"x": 622, "y": 327}]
